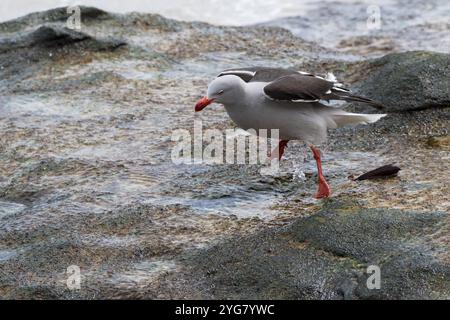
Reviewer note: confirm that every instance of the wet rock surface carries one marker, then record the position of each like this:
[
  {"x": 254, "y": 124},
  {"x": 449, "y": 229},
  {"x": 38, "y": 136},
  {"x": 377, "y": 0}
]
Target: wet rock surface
[
  {"x": 325, "y": 256},
  {"x": 86, "y": 177}
]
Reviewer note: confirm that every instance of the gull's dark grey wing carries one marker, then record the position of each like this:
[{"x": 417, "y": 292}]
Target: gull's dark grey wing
[
  {"x": 303, "y": 87},
  {"x": 298, "y": 88},
  {"x": 258, "y": 74}
]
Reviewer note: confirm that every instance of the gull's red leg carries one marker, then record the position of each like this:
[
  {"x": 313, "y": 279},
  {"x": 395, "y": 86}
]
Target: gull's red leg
[
  {"x": 324, "y": 189},
  {"x": 281, "y": 146}
]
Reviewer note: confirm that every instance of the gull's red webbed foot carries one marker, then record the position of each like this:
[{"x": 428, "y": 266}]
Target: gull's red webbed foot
[
  {"x": 281, "y": 147},
  {"x": 324, "y": 190}
]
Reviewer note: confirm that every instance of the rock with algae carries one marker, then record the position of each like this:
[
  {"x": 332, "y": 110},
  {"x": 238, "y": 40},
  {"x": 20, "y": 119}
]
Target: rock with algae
[{"x": 327, "y": 254}]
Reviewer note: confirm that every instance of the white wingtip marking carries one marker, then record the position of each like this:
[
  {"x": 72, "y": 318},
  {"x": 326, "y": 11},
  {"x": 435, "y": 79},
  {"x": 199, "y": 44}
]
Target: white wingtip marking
[
  {"x": 371, "y": 118},
  {"x": 336, "y": 87},
  {"x": 331, "y": 77},
  {"x": 235, "y": 72},
  {"x": 304, "y": 100}
]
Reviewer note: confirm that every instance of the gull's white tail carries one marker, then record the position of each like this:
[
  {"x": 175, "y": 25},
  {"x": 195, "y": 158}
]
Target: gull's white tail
[{"x": 346, "y": 118}]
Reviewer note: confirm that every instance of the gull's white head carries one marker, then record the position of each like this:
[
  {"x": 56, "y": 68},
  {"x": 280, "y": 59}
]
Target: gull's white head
[{"x": 225, "y": 89}]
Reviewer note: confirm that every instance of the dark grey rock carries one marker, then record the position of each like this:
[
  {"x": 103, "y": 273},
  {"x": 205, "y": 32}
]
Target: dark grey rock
[
  {"x": 56, "y": 37},
  {"x": 408, "y": 81},
  {"x": 23, "y": 54},
  {"x": 57, "y": 15}
]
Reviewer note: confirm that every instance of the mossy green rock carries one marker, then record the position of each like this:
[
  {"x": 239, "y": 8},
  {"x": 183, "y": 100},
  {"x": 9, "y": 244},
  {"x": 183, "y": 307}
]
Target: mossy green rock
[{"x": 326, "y": 256}]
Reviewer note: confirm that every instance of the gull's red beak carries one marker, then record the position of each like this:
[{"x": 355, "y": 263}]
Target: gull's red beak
[{"x": 202, "y": 103}]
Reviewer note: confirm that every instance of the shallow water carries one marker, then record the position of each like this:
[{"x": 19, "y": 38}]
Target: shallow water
[{"x": 397, "y": 25}]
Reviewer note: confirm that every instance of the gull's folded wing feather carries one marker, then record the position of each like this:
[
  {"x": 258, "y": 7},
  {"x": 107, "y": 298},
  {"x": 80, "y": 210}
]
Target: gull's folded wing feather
[
  {"x": 299, "y": 87},
  {"x": 303, "y": 87}
]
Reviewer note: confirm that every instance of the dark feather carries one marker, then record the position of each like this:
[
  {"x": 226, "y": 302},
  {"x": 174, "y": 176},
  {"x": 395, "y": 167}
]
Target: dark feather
[
  {"x": 349, "y": 97},
  {"x": 381, "y": 172},
  {"x": 297, "y": 86}
]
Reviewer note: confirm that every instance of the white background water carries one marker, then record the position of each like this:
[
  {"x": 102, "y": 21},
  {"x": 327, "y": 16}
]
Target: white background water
[{"x": 236, "y": 12}]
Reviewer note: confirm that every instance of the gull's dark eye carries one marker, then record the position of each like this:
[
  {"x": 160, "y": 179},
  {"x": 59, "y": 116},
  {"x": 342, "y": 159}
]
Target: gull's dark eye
[{"x": 219, "y": 92}]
